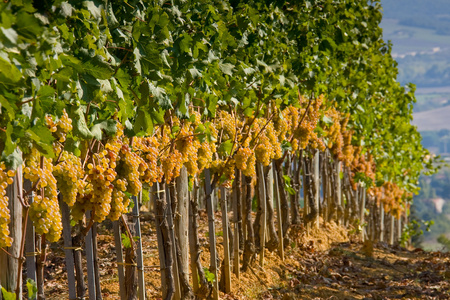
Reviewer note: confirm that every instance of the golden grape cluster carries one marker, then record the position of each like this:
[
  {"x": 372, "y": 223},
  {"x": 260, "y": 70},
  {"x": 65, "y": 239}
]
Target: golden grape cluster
[
  {"x": 69, "y": 174},
  {"x": 44, "y": 210},
  {"x": 245, "y": 161},
  {"x": 6, "y": 178}
]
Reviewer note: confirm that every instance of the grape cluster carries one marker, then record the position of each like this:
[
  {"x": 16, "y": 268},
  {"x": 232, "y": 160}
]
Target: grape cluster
[
  {"x": 59, "y": 129},
  {"x": 226, "y": 169},
  {"x": 245, "y": 161},
  {"x": 188, "y": 146},
  {"x": 69, "y": 174},
  {"x": 100, "y": 176},
  {"x": 130, "y": 168},
  {"x": 171, "y": 164},
  {"x": 44, "y": 210},
  {"x": 267, "y": 146},
  {"x": 6, "y": 178},
  {"x": 147, "y": 149},
  {"x": 227, "y": 124}
]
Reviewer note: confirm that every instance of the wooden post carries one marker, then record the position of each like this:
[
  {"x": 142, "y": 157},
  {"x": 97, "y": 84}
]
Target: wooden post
[
  {"x": 381, "y": 222},
  {"x": 182, "y": 220},
  {"x": 9, "y": 276},
  {"x": 339, "y": 193},
  {"x": 226, "y": 243},
  {"x": 236, "y": 257},
  {"x": 68, "y": 250},
  {"x": 176, "y": 275},
  {"x": 212, "y": 232},
  {"x": 399, "y": 229},
  {"x": 192, "y": 250},
  {"x": 30, "y": 247},
  {"x": 391, "y": 238},
  {"x": 362, "y": 211},
  {"x": 159, "y": 218},
  {"x": 98, "y": 289},
  {"x": 243, "y": 206},
  {"x": 278, "y": 207},
  {"x": 317, "y": 184},
  {"x": 306, "y": 187},
  {"x": 119, "y": 255},
  {"x": 139, "y": 257},
  {"x": 90, "y": 261},
  {"x": 262, "y": 203}
]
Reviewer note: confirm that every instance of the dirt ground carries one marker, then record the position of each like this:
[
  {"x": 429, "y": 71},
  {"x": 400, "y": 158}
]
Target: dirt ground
[{"x": 323, "y": 264}]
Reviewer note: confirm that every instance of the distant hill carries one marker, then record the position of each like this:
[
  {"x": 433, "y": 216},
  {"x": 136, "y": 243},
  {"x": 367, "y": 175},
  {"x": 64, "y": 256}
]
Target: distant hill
[{"x": 433, "y": 120}]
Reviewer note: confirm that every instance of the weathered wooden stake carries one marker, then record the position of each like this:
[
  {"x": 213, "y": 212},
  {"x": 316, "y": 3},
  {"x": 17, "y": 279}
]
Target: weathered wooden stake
[
  {"x": 90, "y": 261},
  {"x": 236, "y": 256},
  {"x": 157, "y": 191},
  {"x": 226, "y": 243},
  {"x": 68, "y": 250},
  {"x": 262, "y": 202},
  {"x": 119, "y": 255},
  {"x": 317, "y": 184},
  {"x": 340, "y": 210},
  {"x": 391, "y": 238},
  {"x": 9, "y": 264},
  {"x": 381, "y": 222},
  {"x": 30, "y": 247},
  {"x": 278, "y": 208},
  {"x": 192, "y": 237},
  {"x": 362, "y": 212},
  {"x": 139, "y": 257},
  {"x": 171, "y": 228},
  {"x": 212, "y": 232},
  {"x": 182, "y": 221}
]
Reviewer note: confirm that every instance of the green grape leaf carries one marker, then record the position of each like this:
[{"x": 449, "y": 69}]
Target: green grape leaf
[
  {"x": 42, "y": 138},
  {"x": 8, "y": 295},
  {"x": 226, "y": 148},
  {"x": 80, "y": 128},
  {"x": 126, "y": 242},
  {"x": 13, "y": 160},
  {"x": 288, "y": 185},
  {"x": 9, "y": 74},
  {"x": 10, "y": 34},
  {"x": 109, "y": 126},
  {"x": 32, "y": 289},
  {"x": 209, "y": 276},
  {"x": 226, "y": 68}
]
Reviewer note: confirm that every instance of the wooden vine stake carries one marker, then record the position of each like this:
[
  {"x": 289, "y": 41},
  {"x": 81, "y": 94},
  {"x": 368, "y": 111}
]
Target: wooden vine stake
[
  {"x": 212, "y": 232},
  {"x": 236, "y": 256},
  {"x": 340, "y": 210},
  {"x": 139, "y": 257},
  {"x": 317, "y": 184},
  {"x": 119, "y": 255},
  {"x": 182, "y": 221},
  {"x": 169, "y": 216},
  {"x": 30, "y": 247},
  {"x": 9, "y": 271},
  {"x": 192, "y": 239},
  {"x": 226, "y": 242},
  {"x": 90, "y": 261},
  {"x": 68, "y": 249},
  {"x": 362, "y": 211},
  {"x": 157, "y": 191},
  {"x": 262, "y": 203},
  {"x": 381, "y": 222},
  {"x": 279, "y": 217},
  {"x": 391, "y": 237}
]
